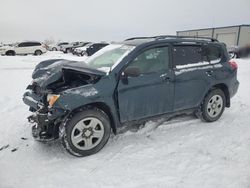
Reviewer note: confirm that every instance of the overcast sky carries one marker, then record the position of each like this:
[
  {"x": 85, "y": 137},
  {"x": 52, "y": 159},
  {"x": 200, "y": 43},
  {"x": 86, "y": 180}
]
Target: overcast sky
[{"x": 96, "y": 20}]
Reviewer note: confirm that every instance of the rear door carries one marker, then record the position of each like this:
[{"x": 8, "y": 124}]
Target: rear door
[
  {"x": 192, "y": 75},
  {"x": 152, "y": 92},
  {"x": 34, "y": 46}
]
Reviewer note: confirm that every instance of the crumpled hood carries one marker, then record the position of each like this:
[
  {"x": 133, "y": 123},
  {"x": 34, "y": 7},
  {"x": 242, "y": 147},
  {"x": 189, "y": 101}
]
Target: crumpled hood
[{"x": 50, "y": 71}]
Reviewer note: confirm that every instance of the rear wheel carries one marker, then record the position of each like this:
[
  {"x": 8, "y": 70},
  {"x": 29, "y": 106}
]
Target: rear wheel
[
  {"x": 54, "y": 49},
  {"x": 38, "y": 52},
  {"x": 86, "y": 132},
  {"x": 213, "y": 105}
]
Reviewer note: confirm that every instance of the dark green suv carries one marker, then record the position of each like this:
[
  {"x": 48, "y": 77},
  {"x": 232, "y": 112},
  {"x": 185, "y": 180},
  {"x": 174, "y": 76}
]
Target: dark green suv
[{"x": 129, "y": 83}]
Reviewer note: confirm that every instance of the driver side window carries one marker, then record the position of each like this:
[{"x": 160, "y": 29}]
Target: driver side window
[{"x": 152, "y": 60}]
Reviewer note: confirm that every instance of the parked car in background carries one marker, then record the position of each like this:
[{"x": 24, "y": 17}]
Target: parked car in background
[
  {"x": 129, "y": 83},
  {"x": 58, "y": 46},
  {"x": 94, "y": 48},
  {"x": 239, "y": 52},
  {"x": 24, "y": 48},
  {"x": 69, "y": 48},
  {"x": 89, "y": 50},
  {"x": 78, "y": 51}
]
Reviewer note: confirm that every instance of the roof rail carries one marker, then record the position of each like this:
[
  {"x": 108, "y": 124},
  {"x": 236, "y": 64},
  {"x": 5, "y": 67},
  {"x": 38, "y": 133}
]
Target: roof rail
[
  {"x": 186, "y": 37},
  {"x": 174, "y": 37},
  {"x": 139, "y": 38}
]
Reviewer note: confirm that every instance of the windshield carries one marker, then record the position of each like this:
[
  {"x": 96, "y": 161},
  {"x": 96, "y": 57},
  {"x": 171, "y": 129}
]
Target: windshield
[{"x": 108, "y": 57}]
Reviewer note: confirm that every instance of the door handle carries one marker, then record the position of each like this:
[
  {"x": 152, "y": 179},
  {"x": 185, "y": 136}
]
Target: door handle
[
  {"x": 209, "y": 73},
  {"x": 165, "y": 78}
]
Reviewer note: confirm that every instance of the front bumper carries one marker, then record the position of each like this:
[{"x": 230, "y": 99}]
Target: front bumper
[
  {"x": 45, "y": 120},
  {"x": 43, "y": 129},
  {"x": 2, "y": 52},
  {"x": 33, "y": 100}
]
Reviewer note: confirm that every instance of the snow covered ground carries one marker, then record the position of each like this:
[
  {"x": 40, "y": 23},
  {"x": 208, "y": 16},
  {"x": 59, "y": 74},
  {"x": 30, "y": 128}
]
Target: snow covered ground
[{"x": 183, "y": 152}]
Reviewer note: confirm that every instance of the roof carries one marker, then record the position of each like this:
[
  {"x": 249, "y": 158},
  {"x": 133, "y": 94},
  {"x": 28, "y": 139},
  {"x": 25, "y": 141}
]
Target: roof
[{"x": 208, "y": 28}]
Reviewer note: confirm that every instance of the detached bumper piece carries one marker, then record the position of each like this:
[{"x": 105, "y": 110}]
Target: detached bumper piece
[{"x": 43, "y": 129}]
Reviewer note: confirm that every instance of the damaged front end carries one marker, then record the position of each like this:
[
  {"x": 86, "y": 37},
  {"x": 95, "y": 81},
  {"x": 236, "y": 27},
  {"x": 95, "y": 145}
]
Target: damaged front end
[
  {"x": 44, "y": 128},
  {"x": 45, "y": 119},
  {"x": 50, "y": 79}
]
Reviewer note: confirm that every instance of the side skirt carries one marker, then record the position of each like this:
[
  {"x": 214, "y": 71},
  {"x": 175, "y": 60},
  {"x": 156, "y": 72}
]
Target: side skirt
[{"x": 129, "y": 125}]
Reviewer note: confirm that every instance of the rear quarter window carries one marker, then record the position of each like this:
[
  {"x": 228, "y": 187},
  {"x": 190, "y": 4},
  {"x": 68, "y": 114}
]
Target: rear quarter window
[{"x": 213, "y": 53}]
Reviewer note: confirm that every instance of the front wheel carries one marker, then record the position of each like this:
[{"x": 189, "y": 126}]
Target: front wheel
[
  {"x": 84, "y": 53},
  {"x": 10, "y": 53},
  {"x": 86, "y": 132},
  {"x": 213, "y": 105}
]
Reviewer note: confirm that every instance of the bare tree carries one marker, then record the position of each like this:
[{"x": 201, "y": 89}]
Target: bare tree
[{"x": 49, "y": 41}]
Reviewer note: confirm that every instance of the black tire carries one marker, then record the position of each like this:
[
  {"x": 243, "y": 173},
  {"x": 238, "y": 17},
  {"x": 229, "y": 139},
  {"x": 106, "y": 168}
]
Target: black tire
[
  {"x": 10, "y": 53},
  {"x": 68, "y": 51},
  {"x": 84, "y": 53},
  {"x": 69, "y": 129},
  {"x": 54, "y": 49},
  {"x": 213, "y": 105},
  {"x": 38, "y": 52}
]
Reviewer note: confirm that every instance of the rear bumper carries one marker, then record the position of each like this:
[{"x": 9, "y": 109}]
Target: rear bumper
[{"x": 234, "y": 88}]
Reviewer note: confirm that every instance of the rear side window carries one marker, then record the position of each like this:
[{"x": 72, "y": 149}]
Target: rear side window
[
  {"x": 186, "y": 55},
  {"x": 194, "y": 55},
  {"x": 35, "y": 44},
  {"x": 63, "y": 43}
]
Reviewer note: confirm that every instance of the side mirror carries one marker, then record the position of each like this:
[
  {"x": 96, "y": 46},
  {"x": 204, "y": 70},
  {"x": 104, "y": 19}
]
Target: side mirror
[{"x": 131, "y": 72}]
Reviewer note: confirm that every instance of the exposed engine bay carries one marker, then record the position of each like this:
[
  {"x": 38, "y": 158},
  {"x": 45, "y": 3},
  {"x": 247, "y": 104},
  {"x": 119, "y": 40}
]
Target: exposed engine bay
[{"x": 72, "y": 78}]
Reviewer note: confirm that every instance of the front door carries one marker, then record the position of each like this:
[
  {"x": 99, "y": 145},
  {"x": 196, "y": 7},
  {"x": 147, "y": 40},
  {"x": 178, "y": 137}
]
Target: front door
[
  {"x": 149, "y": 93},
  {"x": 22, "y": 48}
]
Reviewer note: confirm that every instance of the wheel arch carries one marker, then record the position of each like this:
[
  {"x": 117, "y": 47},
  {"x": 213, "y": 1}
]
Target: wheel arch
[
  {"x": 8, "y": 51},
  {"x": 38, "y": 50},
  {"x": 102, "y": 106},
  {"x": 225, "y": 90}
]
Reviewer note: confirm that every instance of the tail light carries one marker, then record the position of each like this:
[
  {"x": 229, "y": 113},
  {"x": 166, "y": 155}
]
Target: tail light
[{"x": 233, "y": 64}]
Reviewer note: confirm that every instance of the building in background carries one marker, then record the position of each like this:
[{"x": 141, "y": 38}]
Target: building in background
[{"x": 238, "y": 35}]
